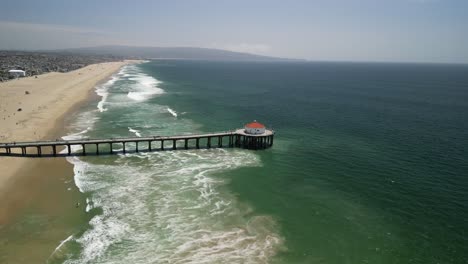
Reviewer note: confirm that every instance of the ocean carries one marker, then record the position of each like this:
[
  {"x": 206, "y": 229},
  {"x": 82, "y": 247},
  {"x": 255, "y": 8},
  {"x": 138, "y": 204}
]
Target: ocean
[{"x": 369, "y": 165}]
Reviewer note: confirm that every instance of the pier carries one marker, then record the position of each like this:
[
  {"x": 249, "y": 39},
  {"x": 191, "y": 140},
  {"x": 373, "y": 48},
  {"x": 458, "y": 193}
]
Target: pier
[{"x": 230, "y": 139}]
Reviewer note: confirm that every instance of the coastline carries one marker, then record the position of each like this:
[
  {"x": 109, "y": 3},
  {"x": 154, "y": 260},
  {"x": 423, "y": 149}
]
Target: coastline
[
  {"x": 40, "y": 114},
  {"x": 41, "y": 187}
]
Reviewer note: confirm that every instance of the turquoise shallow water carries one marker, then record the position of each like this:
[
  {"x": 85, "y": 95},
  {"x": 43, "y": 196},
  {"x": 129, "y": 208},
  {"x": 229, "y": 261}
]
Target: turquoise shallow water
[{"x": 369, "y": 165}]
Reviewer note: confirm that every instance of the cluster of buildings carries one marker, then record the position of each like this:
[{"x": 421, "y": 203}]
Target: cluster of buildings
[{"x": 15, "y": 64}]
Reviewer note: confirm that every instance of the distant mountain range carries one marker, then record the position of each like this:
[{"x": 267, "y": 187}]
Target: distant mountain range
[{"x": 189, "y": 53}]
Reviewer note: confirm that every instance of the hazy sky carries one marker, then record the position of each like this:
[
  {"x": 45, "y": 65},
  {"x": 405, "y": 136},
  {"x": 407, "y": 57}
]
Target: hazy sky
[{"x": 350, "y": 30}]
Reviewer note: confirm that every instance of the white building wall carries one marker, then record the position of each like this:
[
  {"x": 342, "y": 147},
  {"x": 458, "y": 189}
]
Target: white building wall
[
  {"x": 17, "y": 73},
  {"x": 254, "y": 131}
]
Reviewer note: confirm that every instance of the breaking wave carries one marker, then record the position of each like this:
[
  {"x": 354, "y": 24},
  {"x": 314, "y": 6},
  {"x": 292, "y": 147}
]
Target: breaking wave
[
  {"x": 172, "y": 112},
  {"x": 173, "y": 206}
]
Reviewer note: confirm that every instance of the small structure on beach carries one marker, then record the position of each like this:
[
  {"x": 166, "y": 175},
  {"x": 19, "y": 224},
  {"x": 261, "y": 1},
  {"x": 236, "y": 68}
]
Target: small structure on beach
[
  {"x": 16, "y": 73},
  {"x": 254, "y": 128}
]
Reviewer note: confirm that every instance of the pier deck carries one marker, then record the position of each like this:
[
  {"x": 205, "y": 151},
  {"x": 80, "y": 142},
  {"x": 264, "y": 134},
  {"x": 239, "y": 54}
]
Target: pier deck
[{"x": 236, "y": 138}]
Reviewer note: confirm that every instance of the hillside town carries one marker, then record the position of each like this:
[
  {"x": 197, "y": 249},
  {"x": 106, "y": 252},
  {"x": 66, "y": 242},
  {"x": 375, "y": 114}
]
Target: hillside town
[{"x": 16, "y": 64}]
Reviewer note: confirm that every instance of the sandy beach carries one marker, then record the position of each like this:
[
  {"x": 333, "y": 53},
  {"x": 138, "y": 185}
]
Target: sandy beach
[{"x": 31, "y": 109}]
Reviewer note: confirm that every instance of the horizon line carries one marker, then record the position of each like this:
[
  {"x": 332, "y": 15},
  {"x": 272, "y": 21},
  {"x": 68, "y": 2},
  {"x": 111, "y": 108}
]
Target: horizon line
[{"x": 273, "y": 58}]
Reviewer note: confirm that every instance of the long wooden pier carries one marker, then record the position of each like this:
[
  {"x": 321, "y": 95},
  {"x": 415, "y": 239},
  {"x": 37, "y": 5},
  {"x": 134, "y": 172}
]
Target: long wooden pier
[{"x": 230, "y": 139}]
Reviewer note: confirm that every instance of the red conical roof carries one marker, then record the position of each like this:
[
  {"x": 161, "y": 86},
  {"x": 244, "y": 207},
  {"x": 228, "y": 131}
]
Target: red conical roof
[{"x": 255, "y": 124}]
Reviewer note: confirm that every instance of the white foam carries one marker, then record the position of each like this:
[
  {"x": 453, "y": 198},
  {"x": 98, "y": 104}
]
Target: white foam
[
  {"x": 170, "y": 206},
  {"x": 172, "y": 112},
  {"x": 102, "y": 90},
  {"x": 134, "y": 131},
  {"x": 60, "y": 245},
  {"x": 85, "y": 118},
  {"x": 89, "y": 205},
  {"x": 123, "y": 71},
  {"x": 145, "y": 87},
  {"x": 77, "y": 135},
  {"x": 79, "y": 168},
  {"x": 104, "y": 94},
  {"x": 176, "y": 212}
]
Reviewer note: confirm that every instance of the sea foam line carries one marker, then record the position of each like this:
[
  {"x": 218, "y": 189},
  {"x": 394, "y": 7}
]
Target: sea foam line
[
  {"x": 144, "y": 86},
  {"x": 134, "y": 131},
  {"x": 102, "y": 91},
  {"x": 175, "y": 212},
  {"x": 59, "y": 246},
  {"x": 172, "y": 112},
  {"x": 181, "y": 218}
]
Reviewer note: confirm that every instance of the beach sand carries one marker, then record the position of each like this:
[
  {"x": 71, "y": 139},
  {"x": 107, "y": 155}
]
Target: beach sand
[
  {"x": 38, "y": 198},
  {"x": 33, "y": 116}
]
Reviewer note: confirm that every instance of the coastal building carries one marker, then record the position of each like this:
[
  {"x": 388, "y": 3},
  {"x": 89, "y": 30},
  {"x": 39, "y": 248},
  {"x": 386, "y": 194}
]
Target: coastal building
[
  {"x": 35, "y": 63},
  {"x": 254, "y": 128},
  {"x": 17, "y": 73}
]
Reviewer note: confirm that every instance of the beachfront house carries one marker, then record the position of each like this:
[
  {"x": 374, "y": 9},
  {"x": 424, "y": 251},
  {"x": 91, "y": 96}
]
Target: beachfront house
[{"x": 16, "y": 73}]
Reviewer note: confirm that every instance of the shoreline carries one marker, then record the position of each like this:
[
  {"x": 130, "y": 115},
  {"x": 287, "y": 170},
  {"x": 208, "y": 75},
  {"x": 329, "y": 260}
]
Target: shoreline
[
  {"x": 42, "y": 188},
  {"x": 40, "y": 115}
]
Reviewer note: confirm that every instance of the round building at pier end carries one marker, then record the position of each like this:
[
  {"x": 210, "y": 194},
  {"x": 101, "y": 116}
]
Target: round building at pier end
[{"x": 254, "y": 128}]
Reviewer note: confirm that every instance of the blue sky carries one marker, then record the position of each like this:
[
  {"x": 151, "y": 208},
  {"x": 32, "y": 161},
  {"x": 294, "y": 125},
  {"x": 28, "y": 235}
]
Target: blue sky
[{"x": 337, "y": 30}]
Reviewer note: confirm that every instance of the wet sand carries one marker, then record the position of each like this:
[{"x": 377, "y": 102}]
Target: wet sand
[
  {"x": 39, "y": 202},
  {"x": 38, "y": 211}
]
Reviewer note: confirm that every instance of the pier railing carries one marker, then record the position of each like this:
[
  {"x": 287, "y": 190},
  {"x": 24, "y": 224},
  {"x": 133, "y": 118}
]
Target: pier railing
[{"x": 52, "y": 148}]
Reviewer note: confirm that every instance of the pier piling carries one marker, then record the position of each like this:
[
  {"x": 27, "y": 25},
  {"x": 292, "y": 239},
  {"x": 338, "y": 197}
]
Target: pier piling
[{"x": 237, "y": 138}]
